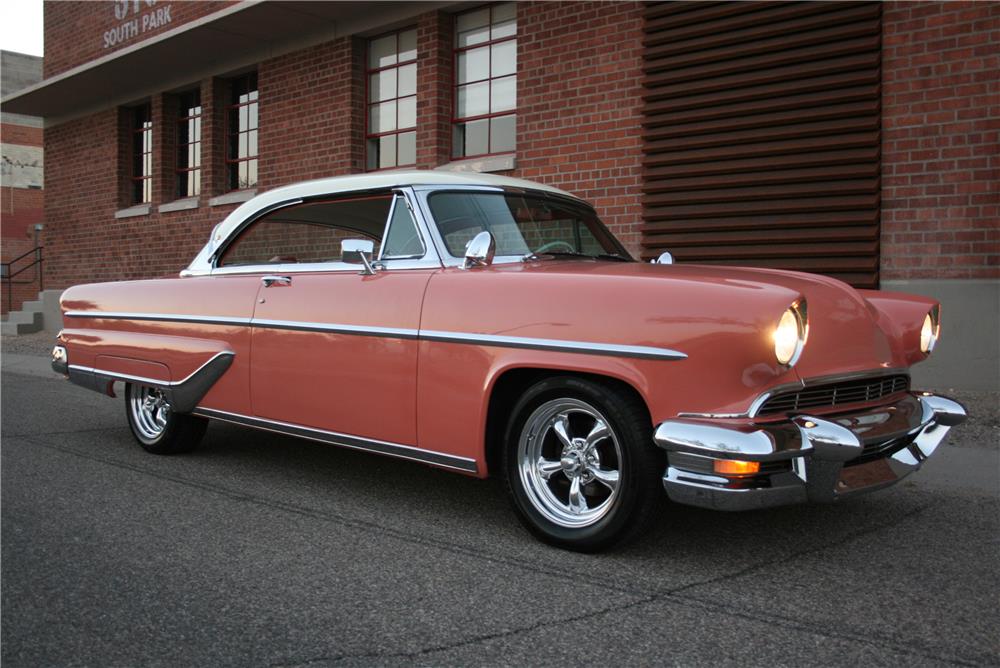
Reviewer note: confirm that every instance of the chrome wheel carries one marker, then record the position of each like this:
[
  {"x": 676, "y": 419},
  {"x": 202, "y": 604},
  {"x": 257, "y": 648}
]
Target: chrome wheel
[
  {"x": 150, "y": 412},
  {"x": 569, "y": 462}
]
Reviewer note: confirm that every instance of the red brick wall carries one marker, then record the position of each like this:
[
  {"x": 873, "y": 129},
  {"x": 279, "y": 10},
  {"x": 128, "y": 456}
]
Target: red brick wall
[
  {"x": 940, "y": 162},
  {"x": 22, "y": 135},
  {"x": 74, "y": 31},
  {"x": 579, "y": 105},
  {"x": 312, "y": 113},
  {"x": 20, "y": 210},
  {"x": 579, "y": 99},
  {"x": 84, "y": 241}
]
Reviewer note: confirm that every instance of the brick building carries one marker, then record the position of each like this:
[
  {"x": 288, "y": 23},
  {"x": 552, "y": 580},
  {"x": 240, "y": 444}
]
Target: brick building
[
  {"x": 857, "y": 140},
  {"x": 21, "y": 169}
]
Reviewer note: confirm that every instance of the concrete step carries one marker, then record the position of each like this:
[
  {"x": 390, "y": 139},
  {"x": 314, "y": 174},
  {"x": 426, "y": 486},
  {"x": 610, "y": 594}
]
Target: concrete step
[
  {"x": 23, "y": 322},
  {"x": 35, "y": 315}
]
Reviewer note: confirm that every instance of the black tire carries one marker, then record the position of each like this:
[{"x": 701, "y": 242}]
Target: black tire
[
  {"x": 634, "y": 502},
  {"x": 180, "y": 433}
]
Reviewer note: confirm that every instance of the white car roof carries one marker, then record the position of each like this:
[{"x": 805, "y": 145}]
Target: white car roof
[
  {"x": 377, "y": 180},
  {"x": 359, "y": 182}
]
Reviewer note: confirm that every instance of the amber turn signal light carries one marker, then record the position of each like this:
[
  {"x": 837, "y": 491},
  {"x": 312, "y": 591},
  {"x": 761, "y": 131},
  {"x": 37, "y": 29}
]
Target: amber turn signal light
[{"x": 736, "y": 467}]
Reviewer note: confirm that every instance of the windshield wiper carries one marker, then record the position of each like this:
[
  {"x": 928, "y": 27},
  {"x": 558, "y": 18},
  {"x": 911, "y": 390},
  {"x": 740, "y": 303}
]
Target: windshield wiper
[{"x": 599, "y": 256}]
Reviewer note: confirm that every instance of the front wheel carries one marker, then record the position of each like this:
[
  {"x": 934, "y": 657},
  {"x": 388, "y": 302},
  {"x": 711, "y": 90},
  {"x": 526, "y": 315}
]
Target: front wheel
[
  {"x": 156, "y": 427},
  {"x": 581, "y": 468}
]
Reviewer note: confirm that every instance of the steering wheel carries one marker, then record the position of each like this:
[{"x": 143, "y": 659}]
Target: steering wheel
[{"x": 553, "y": 245}]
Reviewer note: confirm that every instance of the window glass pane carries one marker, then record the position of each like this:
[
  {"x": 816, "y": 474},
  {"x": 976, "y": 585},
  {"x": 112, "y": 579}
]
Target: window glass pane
[
  {"x": 382, "y": 86},
  {"x": 194, "y": 183},
  {"x": 407, "y": 45},
  {"x": 372, "y": 162},
  {"x": 382, "y": 117},
  {"x": 474, "y": 65},
  {"x": 251, "y": 173},
  {"x": 252, "y": 143},
  {"x": 274, "y": 239},
  {"x": 471, "y": 138},
  {"x": 407, "y": 148},
  {"x": 504, "y": 12},
  {"x": 242, "y": 170},
  {"x": 504, "y": 94},
  {"x": 502, "y": 133},
  {"x": 473, "y": 27},
  {"x": 252, "y": 116},
  {"x": 504, "y": 58},
  {"x": 407, "y": 80},
  {"x": 244, "y": 113},
  {"x": 387, "y": 151},
  {"x": 234, "y": 145},
  {"x": 505, "y": 29},
  {"x": 408, "y": 112},
  {"x": 504, "y": 21},
  {"x": 242, "y": 143},
  {"x": 402, "y": 239},
  {"x": 472, "y": 100},
  {"x": 382, "y": 52},
  {"x": 197, "y": 154}
]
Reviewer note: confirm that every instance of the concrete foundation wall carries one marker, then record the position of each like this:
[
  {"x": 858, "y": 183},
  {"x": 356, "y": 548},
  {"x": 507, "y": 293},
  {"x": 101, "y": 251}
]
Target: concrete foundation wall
[{"x": 968, "y": 355}]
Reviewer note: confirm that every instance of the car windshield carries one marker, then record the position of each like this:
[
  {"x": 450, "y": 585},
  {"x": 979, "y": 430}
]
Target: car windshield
[{"x": 523, "y": 225}]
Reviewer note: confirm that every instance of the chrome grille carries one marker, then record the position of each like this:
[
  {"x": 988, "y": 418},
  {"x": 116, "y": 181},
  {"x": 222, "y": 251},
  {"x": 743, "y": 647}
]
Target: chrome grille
[{"x": 835, "y": 394}]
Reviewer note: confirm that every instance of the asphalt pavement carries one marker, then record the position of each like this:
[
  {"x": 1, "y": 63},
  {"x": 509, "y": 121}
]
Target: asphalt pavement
[{"x": 262, "y": 550}]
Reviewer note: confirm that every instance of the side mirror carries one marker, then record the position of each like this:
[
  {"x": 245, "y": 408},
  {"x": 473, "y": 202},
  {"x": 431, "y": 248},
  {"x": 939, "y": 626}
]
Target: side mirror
[
  {"x": 358, "y": 251},
  {"x": 480, "y": 251},
  {"x": 665, "y": 258}
]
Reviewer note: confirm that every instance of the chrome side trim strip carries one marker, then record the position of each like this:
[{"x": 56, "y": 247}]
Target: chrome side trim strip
[
  {"x": 345, "y": 440},
  {"x": 555, "y": 345},
  {"x": 183, "y": 395},
  {"x": 150, "y": 381},
  {"x": 159, "y": 317},
  {"x": 359, "y": 330}
]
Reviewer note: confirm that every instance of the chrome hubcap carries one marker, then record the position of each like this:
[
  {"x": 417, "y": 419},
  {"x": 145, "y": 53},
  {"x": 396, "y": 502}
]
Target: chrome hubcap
[
  {"x": 569, "y": 462},
  {"x": 150, "y": 411}
]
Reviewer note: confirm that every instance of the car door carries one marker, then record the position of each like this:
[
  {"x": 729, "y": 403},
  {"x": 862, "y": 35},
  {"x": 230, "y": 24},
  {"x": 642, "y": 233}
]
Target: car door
[{"x": 334, "y": 348}]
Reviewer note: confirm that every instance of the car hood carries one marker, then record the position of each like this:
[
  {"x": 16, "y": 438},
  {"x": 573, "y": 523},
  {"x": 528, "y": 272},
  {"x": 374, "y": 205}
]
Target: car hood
[{"x": 846, "y": 333}]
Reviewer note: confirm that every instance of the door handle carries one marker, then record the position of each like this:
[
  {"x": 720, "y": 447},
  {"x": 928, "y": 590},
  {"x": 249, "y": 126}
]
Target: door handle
[{"x": 268, "y": 281}]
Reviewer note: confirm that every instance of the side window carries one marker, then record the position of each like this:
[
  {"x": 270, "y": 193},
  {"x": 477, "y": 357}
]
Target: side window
[
  {"x": 402, "y": 240},
  {"x": 308, "y": 233}
]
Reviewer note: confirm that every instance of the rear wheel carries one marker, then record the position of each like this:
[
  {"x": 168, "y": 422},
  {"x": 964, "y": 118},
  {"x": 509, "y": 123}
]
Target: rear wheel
[
  {"x": 156, "y": 427},
  {"x": 581, "y": 467}
]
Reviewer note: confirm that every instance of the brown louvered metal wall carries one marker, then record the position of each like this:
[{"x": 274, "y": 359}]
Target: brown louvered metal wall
[{"x": 761, "y": 135}]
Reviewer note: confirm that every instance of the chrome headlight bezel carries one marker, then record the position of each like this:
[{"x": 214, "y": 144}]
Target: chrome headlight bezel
[
  {"x": 788, "y": 350},
  {"x": 930, "y": 330}
]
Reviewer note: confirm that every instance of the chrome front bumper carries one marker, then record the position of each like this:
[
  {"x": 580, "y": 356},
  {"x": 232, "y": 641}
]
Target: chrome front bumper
[{"x": 805, "y": 458}]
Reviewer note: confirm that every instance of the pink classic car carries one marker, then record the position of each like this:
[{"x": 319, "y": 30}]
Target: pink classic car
[{"x": 491, "y": 325}]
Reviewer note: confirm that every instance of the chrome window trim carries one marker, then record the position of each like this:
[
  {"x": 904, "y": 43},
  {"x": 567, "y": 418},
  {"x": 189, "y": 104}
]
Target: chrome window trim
[
  {"x": 389, "y": 448},
  {"x": 447, "y": 259},
  {"x": 473, "y": 338},
  {"x": 428, "y": 260},
  {"x": 397, "y": 195}
]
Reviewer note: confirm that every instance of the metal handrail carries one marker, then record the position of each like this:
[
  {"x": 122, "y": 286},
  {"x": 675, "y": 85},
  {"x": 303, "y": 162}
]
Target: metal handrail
[{"x": 8, "y": 276}]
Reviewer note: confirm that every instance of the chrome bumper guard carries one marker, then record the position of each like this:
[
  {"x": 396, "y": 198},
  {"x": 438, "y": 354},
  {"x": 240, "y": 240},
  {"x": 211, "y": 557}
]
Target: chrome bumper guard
[{"x": 805, "y": 458}]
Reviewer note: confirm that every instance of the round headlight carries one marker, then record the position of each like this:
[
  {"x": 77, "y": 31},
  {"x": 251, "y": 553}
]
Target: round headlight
[
  {"x": 929, "y": 332},
  {"x": 790, "y": 335}
]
